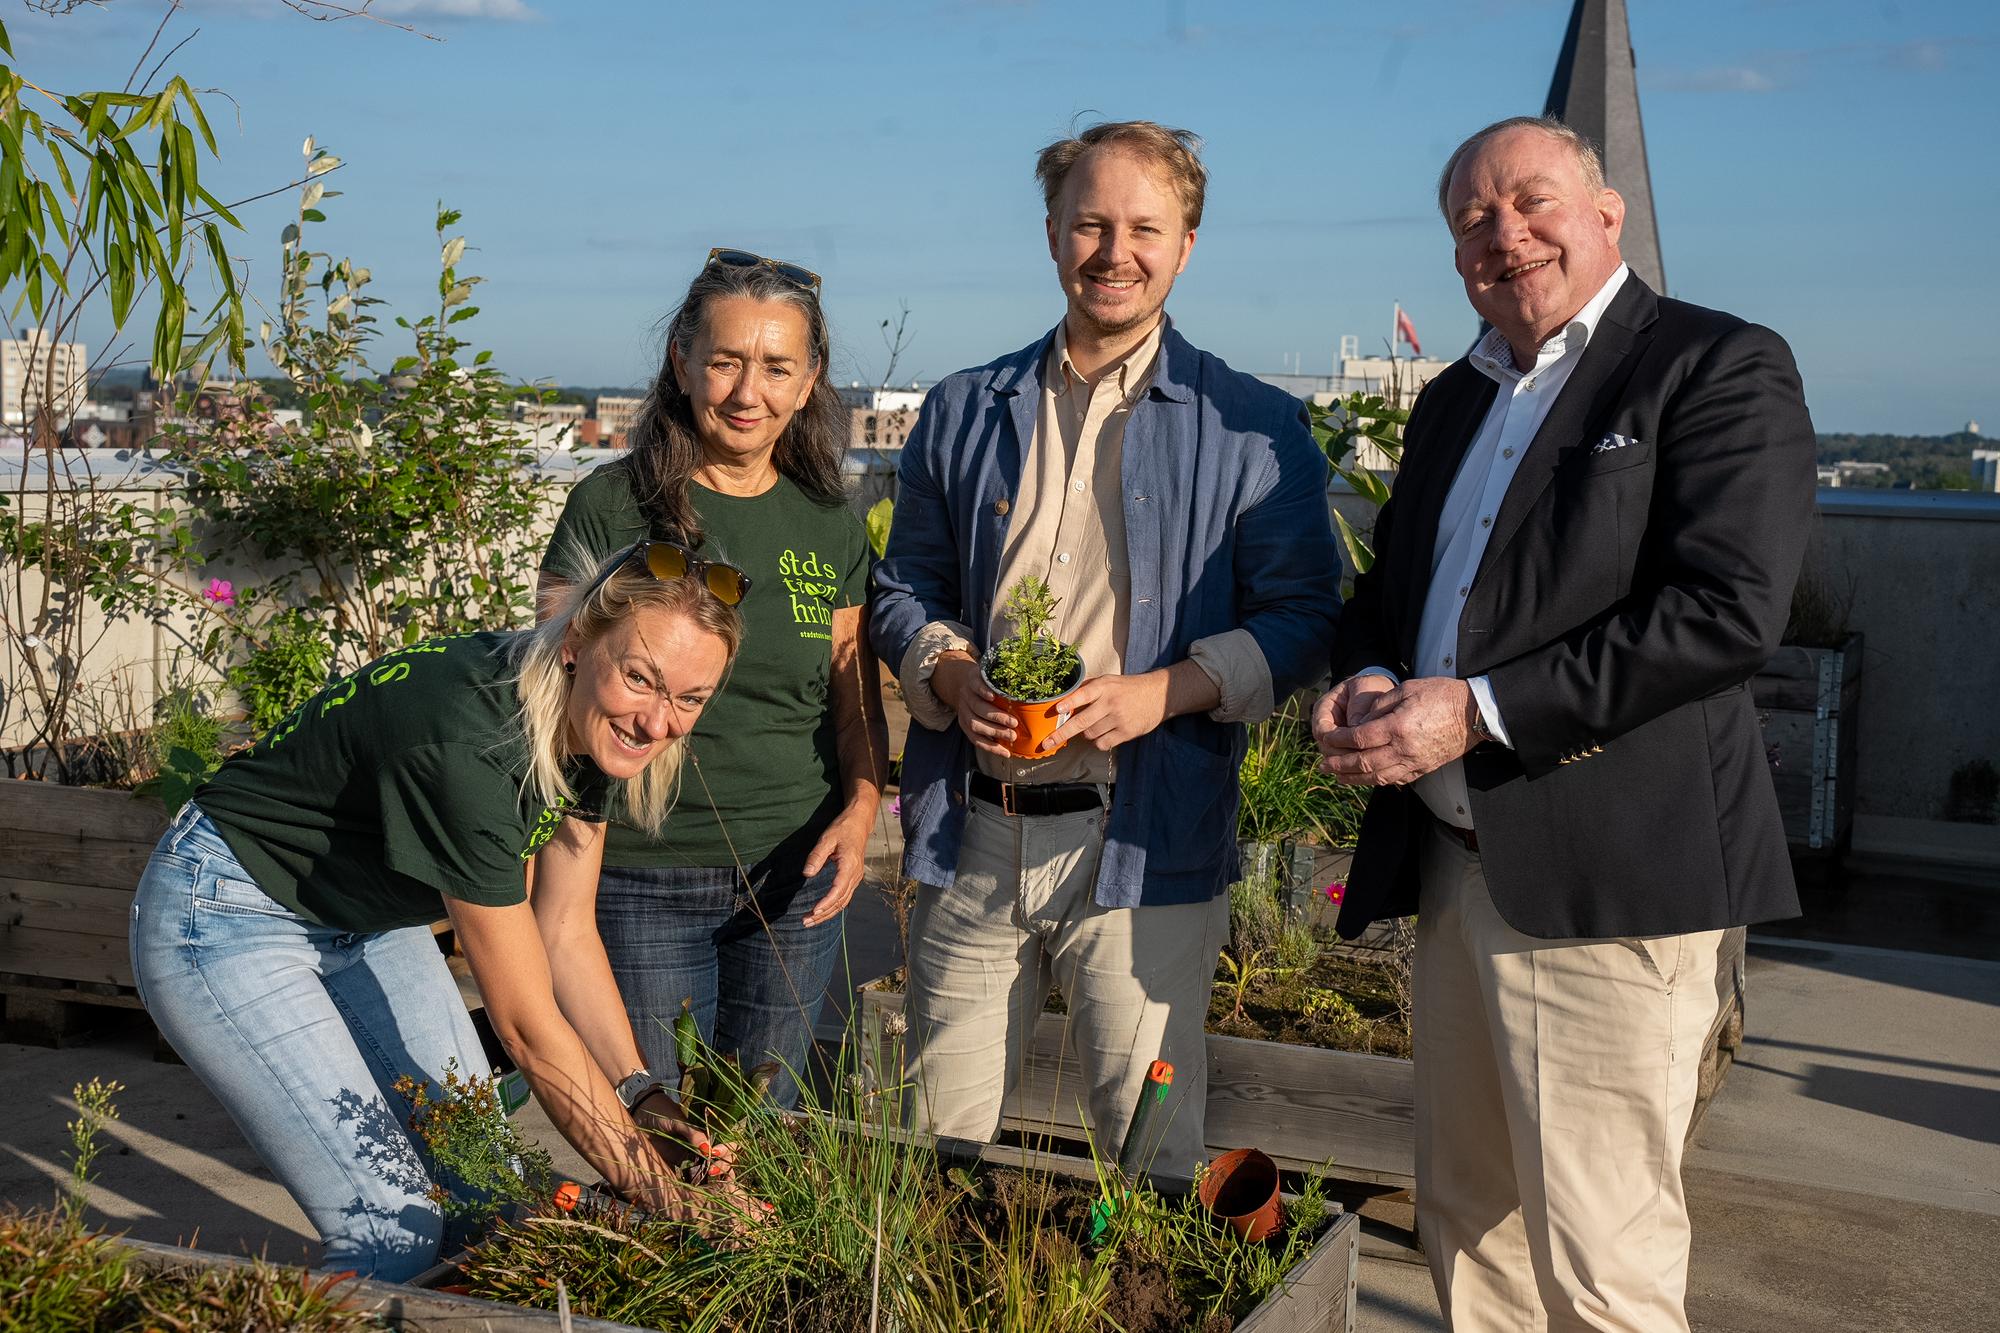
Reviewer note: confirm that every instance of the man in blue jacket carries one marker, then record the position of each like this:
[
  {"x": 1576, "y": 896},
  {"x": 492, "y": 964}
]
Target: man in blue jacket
[{"x": 1177, "y": 509}]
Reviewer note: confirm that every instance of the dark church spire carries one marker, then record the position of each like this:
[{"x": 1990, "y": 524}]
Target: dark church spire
[{"x": 1596, "y": 92}]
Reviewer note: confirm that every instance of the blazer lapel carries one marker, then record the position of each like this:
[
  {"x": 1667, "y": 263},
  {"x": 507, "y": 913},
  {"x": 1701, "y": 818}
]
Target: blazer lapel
[
  {"x": 1018, "y": 387},
  {"x": 1423, "y": 485},
  {"x": 1596, "y": 382}
]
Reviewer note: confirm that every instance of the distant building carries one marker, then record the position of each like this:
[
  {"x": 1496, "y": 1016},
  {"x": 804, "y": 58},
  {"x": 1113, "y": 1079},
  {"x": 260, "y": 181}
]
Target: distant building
[
  {"x": 531, "y": 413},
  {"x": 1972, "y": 428},
  {"x": 25, "y": 365},
  {"x": 1828, "y": 475},
  {"x": 1850, "y": 470},
  {"x": 615, "y": 417},
  {"x": 1985, "y": 469},
  {"x": 1394, "y": 378},
  {"x": 880, "y": 418}
]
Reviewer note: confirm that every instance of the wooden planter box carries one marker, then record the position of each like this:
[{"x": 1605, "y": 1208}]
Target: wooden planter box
[
  {"x": 70, "y": 858},
  {"x": 1319, "y": 1295},
  {"x": 1303, "y": 1105},
  {"x": 1806, "y": 699},
  {"x": 399, "y": 1306}
]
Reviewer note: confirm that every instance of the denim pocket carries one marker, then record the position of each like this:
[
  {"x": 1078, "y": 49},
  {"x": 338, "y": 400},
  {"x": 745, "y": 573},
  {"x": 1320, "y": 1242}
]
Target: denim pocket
[{"x": 223, "y": 893}]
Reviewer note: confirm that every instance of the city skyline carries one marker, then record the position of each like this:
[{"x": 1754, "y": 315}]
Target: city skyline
[{"x": 1814, "y": 166}]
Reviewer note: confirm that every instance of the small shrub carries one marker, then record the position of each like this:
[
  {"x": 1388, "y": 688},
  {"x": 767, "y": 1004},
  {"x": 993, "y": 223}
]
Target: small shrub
[
  {"x": 474, "y": 1147},
  {"x": 1028, "y": 665},
  {"x": 1973, "y": 795}
]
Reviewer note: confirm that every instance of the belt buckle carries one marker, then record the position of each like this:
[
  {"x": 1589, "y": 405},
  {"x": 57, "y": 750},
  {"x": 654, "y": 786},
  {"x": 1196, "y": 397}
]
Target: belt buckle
[{"x": 1007, "y": 800}]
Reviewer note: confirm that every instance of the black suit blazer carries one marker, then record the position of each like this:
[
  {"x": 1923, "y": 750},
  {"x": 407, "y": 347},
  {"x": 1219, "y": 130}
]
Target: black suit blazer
[{"x": 1639, "y": 573}]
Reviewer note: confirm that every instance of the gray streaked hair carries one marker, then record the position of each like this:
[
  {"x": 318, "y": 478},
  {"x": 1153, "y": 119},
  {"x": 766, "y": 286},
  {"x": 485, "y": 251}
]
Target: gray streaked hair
[{"x": 1588, "y": 159}]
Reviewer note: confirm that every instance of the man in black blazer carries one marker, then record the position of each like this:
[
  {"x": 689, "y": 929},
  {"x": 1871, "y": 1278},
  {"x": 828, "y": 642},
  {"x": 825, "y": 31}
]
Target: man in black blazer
[{"x": 1591, "y": 548}]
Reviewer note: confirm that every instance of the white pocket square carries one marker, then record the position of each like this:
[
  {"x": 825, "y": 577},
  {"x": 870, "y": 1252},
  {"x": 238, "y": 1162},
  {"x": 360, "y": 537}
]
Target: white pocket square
[{"x": 1610, "y": 442}]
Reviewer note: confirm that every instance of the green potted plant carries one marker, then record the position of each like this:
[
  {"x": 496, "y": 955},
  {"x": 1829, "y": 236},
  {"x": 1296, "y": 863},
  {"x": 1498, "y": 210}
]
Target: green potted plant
[{"x": 1031, "y": 670}]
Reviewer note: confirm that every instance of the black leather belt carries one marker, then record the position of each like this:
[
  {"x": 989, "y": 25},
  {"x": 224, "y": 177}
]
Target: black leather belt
[
  {"x": 1037, "y": 798},
  {"x": 1464, "y": 837}
]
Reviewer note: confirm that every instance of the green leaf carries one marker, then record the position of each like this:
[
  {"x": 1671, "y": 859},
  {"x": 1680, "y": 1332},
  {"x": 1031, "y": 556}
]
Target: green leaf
[
  {"x": 1358, "y": 554},
  {"x": 312, "y": 215},
  {"x": 466, "y": 313}
]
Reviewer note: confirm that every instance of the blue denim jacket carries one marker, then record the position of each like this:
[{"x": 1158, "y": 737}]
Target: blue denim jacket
[{"x": 1226, "y": 527}]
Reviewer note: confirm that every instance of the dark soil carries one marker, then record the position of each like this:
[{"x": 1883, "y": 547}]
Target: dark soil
[
  {"x": 1275, "y": 1010},
  {"x": 1279, "y": 1009}
]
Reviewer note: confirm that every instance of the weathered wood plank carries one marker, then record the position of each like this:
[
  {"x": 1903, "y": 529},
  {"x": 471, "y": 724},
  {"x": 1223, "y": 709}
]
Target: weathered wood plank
[
  {"x": 69, "y": 992},
  {"x": 83, "y": 909},
  {"x": 1791, "y": 678},
  {"x": 1322, "y": 1294},
  {"x": 398, "y": 1305},
  {"x": 66, "y": 955},
  {"x": 63, "y": 858},
  {"x": 80, "y": 812}
]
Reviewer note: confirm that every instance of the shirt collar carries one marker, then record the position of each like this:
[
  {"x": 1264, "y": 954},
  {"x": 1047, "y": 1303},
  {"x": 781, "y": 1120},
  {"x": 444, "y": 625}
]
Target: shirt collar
[
  {"x": 1495, "y": 359},
  {"x": 1133, "y": 371}
]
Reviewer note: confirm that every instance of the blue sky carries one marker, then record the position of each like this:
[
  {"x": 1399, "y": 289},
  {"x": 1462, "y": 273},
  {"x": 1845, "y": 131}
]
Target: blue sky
[{"x": 1818, "y": 164}]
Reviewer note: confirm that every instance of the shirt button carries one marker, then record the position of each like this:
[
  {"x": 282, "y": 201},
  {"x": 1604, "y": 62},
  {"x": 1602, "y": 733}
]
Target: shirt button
[
  {"x": 1486, "y": 521},
  {"x": 1447, "y": 661},
  {"x": 1076, "y": 485},
  {"x": 1528, "y": 383},
  {"x": 1063, "y": 559},
  {"x": 1461, "y": 809},
  {"x": 1506, "y": 453},
  {"x": 1463, "y": 591}
]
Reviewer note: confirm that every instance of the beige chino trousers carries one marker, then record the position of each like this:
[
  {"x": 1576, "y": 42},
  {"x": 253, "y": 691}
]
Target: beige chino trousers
[
  {"x": 1019, "y": 918},
  {"x": 1554, "y": 1081}
]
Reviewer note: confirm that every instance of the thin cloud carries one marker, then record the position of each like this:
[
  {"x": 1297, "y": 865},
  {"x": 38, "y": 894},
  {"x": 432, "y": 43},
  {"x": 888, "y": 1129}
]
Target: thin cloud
[
  {"x": 1714, "y": 79},
  {"x": 491, "y": 11}
]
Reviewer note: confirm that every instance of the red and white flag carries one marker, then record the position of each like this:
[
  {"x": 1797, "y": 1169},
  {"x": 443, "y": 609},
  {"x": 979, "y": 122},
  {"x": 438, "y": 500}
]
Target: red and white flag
[{"x": 1408, "y": 332}]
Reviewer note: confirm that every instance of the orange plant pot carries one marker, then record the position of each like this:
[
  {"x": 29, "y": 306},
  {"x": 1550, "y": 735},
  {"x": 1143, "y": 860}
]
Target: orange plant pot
[
  {"x": 1034, "y": 719},
  {"x": 1241, "y": 1188}
]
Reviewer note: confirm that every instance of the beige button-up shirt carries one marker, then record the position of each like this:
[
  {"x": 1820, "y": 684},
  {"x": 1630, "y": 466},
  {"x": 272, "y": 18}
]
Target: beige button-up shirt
[{"x": 1068, "y": 528}]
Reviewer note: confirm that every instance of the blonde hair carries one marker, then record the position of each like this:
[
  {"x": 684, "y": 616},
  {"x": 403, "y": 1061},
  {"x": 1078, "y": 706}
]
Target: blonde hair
[
  {"x": 1175, "y": 152},
  {"x": 617, "y": 592}
]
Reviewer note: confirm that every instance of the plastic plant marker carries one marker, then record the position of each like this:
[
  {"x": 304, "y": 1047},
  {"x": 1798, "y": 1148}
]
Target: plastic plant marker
[{"x": 1152, "y": 1094}]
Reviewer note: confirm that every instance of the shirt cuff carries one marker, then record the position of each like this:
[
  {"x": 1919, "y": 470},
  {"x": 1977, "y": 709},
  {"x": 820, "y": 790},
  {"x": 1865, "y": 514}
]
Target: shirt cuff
[
  {"x": 931, "y": 642},
  {"x": 1382, "y": 671},
  {"x": 1489, "y": 709},
  {"x": 1235, "y": 663}
]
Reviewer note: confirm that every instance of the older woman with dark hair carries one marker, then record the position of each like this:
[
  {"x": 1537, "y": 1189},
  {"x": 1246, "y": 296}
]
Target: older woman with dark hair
[{"x": 737, "y": 455}]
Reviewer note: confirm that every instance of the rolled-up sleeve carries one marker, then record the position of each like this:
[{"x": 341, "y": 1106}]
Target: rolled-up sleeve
[
  {"x": 1235, "y": 662},
  {"x": 931, "y": 642}
]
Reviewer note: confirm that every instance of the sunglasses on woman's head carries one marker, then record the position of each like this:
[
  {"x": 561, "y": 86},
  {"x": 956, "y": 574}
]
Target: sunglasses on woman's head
[
  {"x": 803, "y": 278},
  {"x": 667, "y": 561}
]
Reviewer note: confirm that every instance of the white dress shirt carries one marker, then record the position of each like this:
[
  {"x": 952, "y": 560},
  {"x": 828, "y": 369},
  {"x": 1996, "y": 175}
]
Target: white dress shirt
[{"x": 1470, "y": 507}]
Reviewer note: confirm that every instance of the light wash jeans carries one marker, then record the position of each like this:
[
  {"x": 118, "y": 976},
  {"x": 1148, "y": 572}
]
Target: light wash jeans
[{"x": 300, "y": 1030}]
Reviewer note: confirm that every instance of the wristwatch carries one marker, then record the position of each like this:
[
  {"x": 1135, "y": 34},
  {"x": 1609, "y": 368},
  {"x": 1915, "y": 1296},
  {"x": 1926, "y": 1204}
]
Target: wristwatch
[
  {"x": 1480, "y": 731},
  {"x": 637, "y": 1085}
]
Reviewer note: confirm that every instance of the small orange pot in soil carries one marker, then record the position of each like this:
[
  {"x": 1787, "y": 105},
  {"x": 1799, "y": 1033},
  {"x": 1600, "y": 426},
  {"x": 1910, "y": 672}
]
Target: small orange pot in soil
[
  {"x": 1034, "y": 719},
  {"x": 1241, "y": 1188}
]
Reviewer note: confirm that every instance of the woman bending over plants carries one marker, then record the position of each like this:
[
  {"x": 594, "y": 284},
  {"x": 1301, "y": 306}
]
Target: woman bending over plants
[{"x": 281, "y": 932}]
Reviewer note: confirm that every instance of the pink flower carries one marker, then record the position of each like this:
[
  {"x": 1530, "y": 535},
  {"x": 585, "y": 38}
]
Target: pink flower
[
  {"x": 220, "y": 591},
  {"x": 1336, "y": 891}
]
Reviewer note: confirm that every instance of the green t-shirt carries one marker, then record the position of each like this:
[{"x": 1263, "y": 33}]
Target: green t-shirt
[
  {"x": 391, "y": 787},
  {"x": 763, "y": 753}
]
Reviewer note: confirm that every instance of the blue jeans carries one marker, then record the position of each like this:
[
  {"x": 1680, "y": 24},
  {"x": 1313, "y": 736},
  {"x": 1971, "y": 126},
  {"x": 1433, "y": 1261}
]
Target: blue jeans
[
  {"x": 300, "y": 1031},
  {"x": 755, "y": 973}
]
